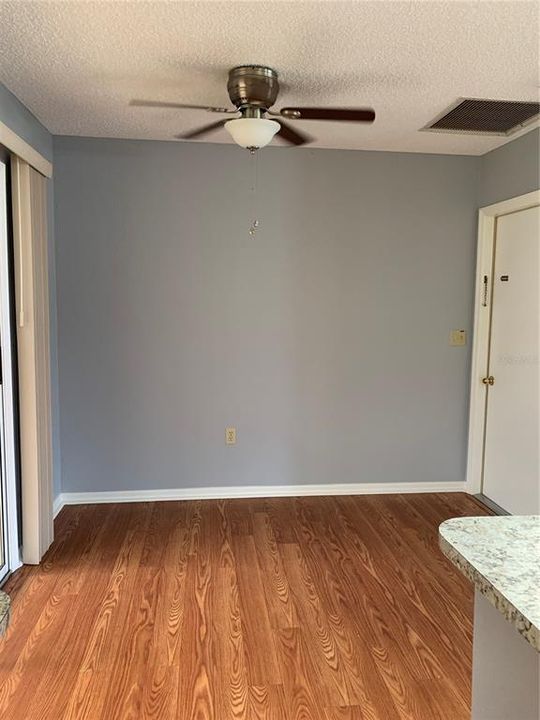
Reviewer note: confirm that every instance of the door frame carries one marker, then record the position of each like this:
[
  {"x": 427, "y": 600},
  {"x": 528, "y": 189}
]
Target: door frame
[
  {"x": 7, "y": 410},
  {"x": 487, "y": 222}
]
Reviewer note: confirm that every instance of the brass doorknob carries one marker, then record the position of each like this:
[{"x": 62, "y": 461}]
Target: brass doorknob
[{"x": 489, "y": 380}]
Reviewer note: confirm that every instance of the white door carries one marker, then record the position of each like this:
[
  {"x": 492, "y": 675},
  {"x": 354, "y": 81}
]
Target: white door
[{"x": 511, "y": 473}]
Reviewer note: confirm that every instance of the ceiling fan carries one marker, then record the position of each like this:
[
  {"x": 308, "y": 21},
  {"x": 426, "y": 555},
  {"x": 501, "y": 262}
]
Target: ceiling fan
[{"x": 253, "y": 90}]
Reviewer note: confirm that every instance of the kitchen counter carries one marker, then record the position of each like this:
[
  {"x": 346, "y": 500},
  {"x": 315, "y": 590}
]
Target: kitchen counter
[{"x": 501, "y": 556}]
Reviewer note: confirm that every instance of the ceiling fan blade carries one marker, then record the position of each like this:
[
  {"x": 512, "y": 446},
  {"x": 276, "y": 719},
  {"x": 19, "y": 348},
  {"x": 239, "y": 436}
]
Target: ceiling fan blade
[
  {"x": 292, "y": 135},
  {"x": 336, "y": 114},
  {"x": 202, "y": 130},
  {"x": 181, "y": 106}
]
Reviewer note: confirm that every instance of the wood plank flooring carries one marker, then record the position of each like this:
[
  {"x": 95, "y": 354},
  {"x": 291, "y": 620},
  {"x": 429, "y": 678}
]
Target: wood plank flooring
[{"x": 336, "y": 608}]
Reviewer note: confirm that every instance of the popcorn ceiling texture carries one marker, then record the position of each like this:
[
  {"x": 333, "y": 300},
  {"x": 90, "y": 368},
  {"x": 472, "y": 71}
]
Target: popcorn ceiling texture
[{"x": 76, "y": 65}]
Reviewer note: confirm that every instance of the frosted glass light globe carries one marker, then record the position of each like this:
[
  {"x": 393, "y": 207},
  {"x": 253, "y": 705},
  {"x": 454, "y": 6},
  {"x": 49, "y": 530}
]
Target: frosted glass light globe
[{"x": 252, "y": 132}]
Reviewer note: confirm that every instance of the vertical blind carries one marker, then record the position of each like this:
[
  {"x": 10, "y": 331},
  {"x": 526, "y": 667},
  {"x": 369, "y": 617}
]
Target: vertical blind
[{"x": 29, "y": 192}]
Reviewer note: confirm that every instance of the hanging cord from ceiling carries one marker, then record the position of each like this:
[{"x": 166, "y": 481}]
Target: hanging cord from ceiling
[{"x": 254, "y": 186}]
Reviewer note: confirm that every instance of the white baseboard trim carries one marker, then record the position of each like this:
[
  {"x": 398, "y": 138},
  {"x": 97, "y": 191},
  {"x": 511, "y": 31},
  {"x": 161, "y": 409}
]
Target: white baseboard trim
[
  {"x": 58, "y": 504},
  {"x": 251, "y": 491}
]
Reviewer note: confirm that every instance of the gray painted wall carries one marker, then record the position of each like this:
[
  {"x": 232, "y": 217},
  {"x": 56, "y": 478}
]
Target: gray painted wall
[
  {"x": 511, "y": 170},
  {"x": 324, "y": 339},
  {"x": 19, "y": 119}
]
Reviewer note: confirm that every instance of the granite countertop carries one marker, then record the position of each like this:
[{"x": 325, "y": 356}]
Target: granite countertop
[
  {"x": 4, "y": 612},
  {"x": 501, "y": 556}
]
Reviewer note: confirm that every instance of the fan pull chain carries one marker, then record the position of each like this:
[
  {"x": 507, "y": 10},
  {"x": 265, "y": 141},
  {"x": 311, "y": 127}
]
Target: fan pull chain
[{"x": 255, "y": 222}]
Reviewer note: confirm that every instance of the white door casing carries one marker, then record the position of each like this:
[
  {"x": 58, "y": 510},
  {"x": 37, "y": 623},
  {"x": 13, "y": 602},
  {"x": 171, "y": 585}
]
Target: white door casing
[
  {"x": 7, "y": 413},
  {"x": 29, "y": 192}
]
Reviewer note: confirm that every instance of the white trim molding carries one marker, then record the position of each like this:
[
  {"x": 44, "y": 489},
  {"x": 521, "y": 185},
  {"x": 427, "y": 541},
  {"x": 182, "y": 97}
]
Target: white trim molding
[
  {"x": 252, "y": 491},
  {"x": 58, "y": 504},
  {"x": 26, "y": 152},
  {"x": 487, "y": 221},
  {"x": 9, "y": 450},
  {"x": 29, "y": 191}
]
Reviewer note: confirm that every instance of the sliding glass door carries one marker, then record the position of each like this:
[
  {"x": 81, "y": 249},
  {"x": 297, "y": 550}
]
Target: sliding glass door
[
  {"x": 10, "y": 558},
  {"x": 4, "y": 549}
]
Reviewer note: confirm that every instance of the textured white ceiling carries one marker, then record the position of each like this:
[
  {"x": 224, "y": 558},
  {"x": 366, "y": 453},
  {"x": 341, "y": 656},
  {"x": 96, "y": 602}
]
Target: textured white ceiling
[{"x": 76, "y": 65}]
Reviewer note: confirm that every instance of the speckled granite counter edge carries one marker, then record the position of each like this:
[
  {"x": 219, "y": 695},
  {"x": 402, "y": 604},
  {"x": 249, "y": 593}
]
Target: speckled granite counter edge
[
  {"x": 524, "y": 626},
  {"x": 4, "y": 612}
]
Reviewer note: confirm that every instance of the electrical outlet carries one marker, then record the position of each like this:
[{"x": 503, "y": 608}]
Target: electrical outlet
[
  {"x": 458, "y": 338},
  {"x": 230, "y": 436}
]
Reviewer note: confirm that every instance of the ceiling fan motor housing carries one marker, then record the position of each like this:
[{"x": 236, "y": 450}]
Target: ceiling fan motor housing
[{"x": 253, "y": 86}]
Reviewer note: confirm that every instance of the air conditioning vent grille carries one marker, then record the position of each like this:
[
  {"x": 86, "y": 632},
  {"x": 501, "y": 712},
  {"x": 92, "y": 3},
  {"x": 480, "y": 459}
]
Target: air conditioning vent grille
[{"x": 493, "y": 117}]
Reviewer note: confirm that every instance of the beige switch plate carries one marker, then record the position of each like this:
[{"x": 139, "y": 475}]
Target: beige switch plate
[
  {"x": 458, "y": 337},
  {"x": 230, "y": 436}
]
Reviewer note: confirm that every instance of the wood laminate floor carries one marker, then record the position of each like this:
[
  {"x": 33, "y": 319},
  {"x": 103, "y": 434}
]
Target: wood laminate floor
[{"x": 338, "y": 608}]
